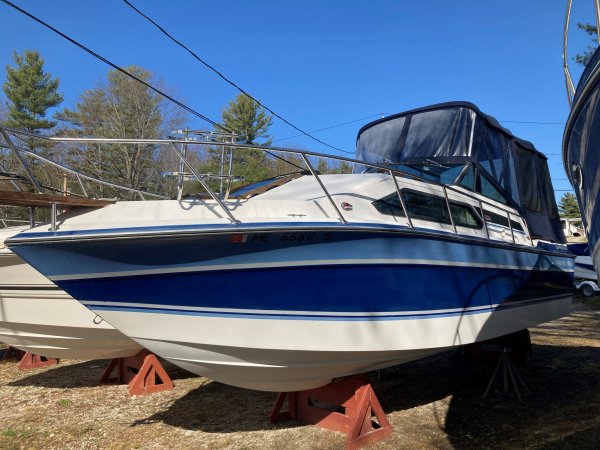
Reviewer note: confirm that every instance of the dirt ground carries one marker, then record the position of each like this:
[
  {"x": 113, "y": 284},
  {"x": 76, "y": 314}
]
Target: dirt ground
[{"x": 433, "y": 403}]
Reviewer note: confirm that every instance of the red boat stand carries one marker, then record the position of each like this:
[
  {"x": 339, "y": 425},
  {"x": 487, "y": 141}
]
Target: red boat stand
[
  {"x": 354, "y": 394},
  {"x": 32, "y": 361},
  {"x": 142, "y": 371}
]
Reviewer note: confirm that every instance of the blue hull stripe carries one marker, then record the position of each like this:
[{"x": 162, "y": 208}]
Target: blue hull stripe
[{"x": 361, "y": 289}]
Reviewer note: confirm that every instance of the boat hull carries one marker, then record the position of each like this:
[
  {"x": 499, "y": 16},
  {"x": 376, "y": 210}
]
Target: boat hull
[
  {"x": 263, "y": 354},
  {"x": 581, "y": 155},
  {"x": 258, "y": 311},
  {"x": 37, "y": 316}
]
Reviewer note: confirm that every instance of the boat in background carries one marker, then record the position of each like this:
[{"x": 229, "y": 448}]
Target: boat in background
[
  {"x": 581, "y": 142},
  {"x": 447, "y": 233},
  {"x": 37, "y": 316},
  {"x": 584, "y": 267}
]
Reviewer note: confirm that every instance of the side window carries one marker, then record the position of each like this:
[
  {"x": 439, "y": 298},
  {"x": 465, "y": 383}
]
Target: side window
[
  {"x": 389, "y": 205},
  {"x": 468, "y": 179},
  {"x": 428, "y": 207},
  {"x": 486, "y": 188},
  {"x": 502, "y": 220},
  {"x": 475, "y": 181},
  {"x": 516, "y": 225},
  {"x": 464, "y": 216}
]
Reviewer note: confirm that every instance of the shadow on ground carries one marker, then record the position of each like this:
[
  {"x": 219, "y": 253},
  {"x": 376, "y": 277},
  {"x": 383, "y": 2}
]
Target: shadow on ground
[
  {"x": 561, "y": 412},
  {"x": 82, "y": 374},
  {"x": 219, "y": 408}
]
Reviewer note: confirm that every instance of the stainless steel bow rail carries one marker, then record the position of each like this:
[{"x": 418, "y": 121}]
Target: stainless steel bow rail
[
  {"x": 565, "y": 57},
  {"x": 227, "y": 158}
]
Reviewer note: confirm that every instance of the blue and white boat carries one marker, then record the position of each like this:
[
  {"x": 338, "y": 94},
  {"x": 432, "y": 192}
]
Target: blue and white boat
[
  {"x": 581, "y": 143},
  {"x": 446, "y": 234}
]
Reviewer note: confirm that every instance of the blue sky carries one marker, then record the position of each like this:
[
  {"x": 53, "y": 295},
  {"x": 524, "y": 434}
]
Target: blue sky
[{"x": 320, "y": 63}]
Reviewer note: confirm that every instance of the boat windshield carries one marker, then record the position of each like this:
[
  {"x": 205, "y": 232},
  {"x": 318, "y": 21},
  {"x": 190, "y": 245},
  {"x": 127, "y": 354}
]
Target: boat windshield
[{"x": 432, "y": 171}]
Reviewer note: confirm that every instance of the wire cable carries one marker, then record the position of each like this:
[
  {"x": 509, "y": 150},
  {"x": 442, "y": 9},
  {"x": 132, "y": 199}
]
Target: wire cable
[
  {"x": 332, "y": 126},
  {"x": 180, "y": 44},
  {"x": 114, "y": 66}
]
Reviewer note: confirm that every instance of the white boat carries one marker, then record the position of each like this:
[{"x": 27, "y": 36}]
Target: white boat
[
  {"x": 37, "y": 316},
  {"x": 436, "y": 241}
]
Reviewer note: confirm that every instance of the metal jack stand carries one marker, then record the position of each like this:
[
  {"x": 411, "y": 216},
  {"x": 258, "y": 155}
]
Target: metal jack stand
[{"x": 510, "y": 376}]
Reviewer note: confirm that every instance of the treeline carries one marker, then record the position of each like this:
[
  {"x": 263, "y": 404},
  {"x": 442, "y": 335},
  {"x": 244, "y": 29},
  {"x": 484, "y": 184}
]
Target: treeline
[{"x": 121, "y": 107}]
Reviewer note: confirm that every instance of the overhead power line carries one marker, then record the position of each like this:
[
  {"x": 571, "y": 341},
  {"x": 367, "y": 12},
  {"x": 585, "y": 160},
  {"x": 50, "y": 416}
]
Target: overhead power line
[
  {"x": 179, "y": 43},
  {"x": 116, "y": 67},
  {"x": 332, "y": 126}
]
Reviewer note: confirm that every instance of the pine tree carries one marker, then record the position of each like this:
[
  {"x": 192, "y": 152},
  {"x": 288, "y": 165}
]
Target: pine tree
[
  {"x": 568, "y": 206},
  {"x": 250, "y": 122},
  {"x": 585, "y": 57},
  {"x": 247, "y": 119},
  {"x": 30, "y": 92}
]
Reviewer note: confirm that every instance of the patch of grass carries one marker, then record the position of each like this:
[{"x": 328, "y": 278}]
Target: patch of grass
[
  {"x": 8, "y": 432},
  {"x": 85, "y": 430},
  {"x": 64, "y": 402}
]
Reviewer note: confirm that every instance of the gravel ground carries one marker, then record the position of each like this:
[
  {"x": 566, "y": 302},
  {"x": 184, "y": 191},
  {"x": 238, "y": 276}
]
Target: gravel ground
[{"x": 433, "y": 403}]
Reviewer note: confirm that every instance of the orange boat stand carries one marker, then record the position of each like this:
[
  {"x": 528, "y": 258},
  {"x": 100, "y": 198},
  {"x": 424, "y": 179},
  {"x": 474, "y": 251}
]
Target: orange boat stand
[
  {"x": 28, "y": 360},
  {"x": 142, "y": 371},
  {"x": 363, "y": 420}
]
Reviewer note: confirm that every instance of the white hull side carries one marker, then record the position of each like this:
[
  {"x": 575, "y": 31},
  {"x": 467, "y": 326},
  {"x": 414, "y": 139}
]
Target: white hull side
[
  {"x": 36, "y": 316},
  {"x": 290, "y": 355}
]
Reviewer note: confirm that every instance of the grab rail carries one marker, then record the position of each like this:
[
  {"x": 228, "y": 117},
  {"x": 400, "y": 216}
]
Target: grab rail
[
  {"x": 565, "y": 58},
  {"x": 304, "y": 155},
  {"x": 78, "y": 175}
]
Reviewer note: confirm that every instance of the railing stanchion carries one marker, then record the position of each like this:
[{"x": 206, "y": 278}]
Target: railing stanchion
[
  {"x": 12, "y": 146},
  {"x": 510, "y": 225},
  {"x": 81, "y": 185},
  {"x": 323, "y": 187},
  {"x": 31, "y": 217},
  {"x": 53, "y": 213},
  {"x": 204, "y": 185},
  {"x": 404, "y": 208},
  {"x": 449, "y": 209},
  {"x": 487, "y": 231}
]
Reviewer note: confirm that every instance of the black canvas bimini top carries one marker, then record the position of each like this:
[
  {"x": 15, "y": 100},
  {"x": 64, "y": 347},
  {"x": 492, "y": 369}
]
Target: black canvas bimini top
[{"x": 458, "y": 132}]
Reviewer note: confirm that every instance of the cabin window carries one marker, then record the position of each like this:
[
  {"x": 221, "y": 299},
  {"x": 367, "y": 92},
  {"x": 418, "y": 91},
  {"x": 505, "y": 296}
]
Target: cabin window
[
  {"x": 464, "y": 216},
  {"x": 476, "y": 181},
  {"x": 502, "y": 220},
  {"x": 486, "y": 188},
  {"x": 389, "y": 205},
  {"x": 428, "y": 207},
  {"x": 425, "y": 206}
]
